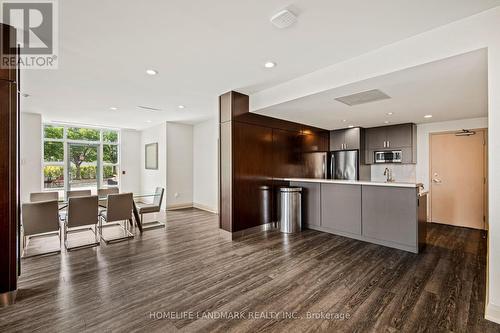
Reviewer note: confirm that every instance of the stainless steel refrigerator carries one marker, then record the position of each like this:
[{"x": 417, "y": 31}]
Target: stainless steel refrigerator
[{"x": 344, "y": 165}]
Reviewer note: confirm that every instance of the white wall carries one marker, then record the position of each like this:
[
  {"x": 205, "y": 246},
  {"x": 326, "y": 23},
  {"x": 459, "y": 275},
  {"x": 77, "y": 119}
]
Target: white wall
[
  {"x": 130, "y": 162},
  {"x": 31, "y": 154},
  {"x": 423, "y": 134},
  {"x": 179, "y": 165},
  {"x": 175, "y": 163},
  {"x": 205, "y": 169},
  {"x": 150, "y": 179}
]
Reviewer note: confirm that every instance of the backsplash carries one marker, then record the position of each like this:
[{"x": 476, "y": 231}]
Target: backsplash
[{"x": 405, "y": 173}]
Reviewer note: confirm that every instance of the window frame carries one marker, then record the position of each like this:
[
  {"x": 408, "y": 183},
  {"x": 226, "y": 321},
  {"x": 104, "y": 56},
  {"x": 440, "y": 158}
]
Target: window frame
[{"x": 100, "y": 143}]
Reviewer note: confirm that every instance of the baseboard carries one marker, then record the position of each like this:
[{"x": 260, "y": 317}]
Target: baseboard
[
  {"x": 493, "y": 313},
  {"x": 205, "y": 208},
  {"x": 180, "y": 206}
]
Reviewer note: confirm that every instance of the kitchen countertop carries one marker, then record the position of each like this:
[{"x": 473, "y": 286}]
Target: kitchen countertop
[{"x": 353, "y": 182}]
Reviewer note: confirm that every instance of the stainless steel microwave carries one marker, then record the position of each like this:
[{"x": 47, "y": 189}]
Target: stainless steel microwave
[{"x": 393, "y": 156}]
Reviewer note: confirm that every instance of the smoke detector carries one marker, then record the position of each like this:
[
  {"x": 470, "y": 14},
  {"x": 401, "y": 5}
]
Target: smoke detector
[
  {"x": 283, "y": 19},
  {"x": 363, "y": 97}
]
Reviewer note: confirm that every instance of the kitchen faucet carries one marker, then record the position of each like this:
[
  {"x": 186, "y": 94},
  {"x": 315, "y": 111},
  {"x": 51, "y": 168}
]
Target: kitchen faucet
[{"x": 388, "y": 174}]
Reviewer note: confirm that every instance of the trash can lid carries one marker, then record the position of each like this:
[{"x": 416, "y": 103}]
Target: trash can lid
[{"x": 291, "y": 189}]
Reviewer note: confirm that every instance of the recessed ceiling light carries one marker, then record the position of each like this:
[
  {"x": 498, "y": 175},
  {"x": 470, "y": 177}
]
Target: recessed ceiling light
[
  {"x": 148, "y": 121},
  {"x": 389, "y": 113},
  {"x": 345, "y": 120},
  {"x": 351, "y": 126},
  {"x": 386, "y": 122},
  {"x": 151, "y": 72},
  {"x": 428, "y": 116},
  {"x": 181, "y": 106},
  {"x": 270, "y": 64},
  {"x": 113, "y": 108}
]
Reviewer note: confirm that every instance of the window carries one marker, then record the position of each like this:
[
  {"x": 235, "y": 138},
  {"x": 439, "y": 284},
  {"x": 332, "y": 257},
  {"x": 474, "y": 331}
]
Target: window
[
  {"x": 53, "y": 157},
  {"x": 79, "y": 157}
]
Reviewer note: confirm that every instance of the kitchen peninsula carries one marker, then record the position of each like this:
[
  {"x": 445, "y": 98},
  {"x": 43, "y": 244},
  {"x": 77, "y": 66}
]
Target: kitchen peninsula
[{"x": 390, "y": 214}]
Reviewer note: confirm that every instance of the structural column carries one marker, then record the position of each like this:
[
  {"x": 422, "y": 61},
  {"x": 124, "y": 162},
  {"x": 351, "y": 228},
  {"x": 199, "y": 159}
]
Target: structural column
[
  {"x": 231, "y": 105},
  {"x": 9, "y": 166}
]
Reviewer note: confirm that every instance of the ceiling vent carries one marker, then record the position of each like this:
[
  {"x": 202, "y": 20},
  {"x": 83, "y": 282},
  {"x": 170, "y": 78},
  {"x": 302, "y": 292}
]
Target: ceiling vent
[
  {"x": 148, "y": 108},
  {"x": 283, "y": 19},
  {"x": 363, "y": 97}
]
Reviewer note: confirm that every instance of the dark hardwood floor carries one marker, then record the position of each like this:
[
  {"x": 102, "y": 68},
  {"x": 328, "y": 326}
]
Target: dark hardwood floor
[{"x": 270, "y": 279}]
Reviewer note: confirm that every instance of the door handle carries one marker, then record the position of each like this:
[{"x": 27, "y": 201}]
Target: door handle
[{"x": 436, "y": 181}]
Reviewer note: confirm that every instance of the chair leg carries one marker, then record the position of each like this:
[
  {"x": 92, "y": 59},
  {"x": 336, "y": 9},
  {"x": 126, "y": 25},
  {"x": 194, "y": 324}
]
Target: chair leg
[
  {"x": 25, "y": 243},
  {"x": 152, "y": 224},
  {"x": 95, "y": 232},
  {"x": 26, "y": 240},
  {"x": 65, "y": 236},
  {"x": 124, "y": 226}
]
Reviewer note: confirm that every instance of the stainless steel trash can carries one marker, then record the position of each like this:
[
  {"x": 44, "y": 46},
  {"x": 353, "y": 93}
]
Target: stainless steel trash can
[{"x": 291, "y": 211}]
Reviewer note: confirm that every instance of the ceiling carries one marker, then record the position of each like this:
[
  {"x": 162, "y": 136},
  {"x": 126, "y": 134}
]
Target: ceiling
[
  {"x": 449, "y": 89},
  {"x": 202, "y": 49}
]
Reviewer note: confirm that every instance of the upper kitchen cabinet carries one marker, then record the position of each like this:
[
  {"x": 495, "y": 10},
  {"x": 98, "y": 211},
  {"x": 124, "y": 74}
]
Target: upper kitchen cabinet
[
  {"x": 376, "y": 137},
  {"x": 314, "y": 140},
  {"x": 346, "y": 139},
  {"x": 398, "y": 137}
]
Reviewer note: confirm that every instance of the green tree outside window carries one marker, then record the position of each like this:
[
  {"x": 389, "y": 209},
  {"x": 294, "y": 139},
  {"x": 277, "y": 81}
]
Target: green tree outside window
[{"x": 53, "y": 132}]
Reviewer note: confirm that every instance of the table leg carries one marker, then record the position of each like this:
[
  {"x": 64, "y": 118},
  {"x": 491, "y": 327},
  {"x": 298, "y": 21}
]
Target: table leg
[{"x": 137, "y": 218}]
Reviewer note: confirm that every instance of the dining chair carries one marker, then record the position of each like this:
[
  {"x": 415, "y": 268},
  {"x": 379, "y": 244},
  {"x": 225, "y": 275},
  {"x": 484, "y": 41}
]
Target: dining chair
[
  {"x": 40, "y": 219},
  {"x": 104, "y": 192},
  {"x": 78, "y": 193},
  {"x": 119, "y": 209},
  {"x": 43, "y": 196},
  {"x": 82, "y": 212},
  {"x": 155, "y": 207}
]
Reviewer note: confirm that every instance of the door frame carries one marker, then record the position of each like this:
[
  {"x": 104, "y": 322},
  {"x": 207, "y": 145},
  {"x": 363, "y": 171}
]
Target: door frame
[
  {"x": 485, "y": 172},
  {"x": 99, "y": 163}
]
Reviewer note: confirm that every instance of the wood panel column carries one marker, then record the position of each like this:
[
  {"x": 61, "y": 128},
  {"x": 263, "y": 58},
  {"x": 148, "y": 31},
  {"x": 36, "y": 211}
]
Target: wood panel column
[
  {"x": 9, "y": 166},
  {"x": 231, "y": 105}
]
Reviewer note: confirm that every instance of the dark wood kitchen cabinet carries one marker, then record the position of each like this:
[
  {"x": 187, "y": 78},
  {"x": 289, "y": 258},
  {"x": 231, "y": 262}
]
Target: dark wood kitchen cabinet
[
  {"x": 252, "y": 178},
  {"x": 313, "y": 140},
  {"x": 347, "y": 139},
  {"x": 256, "y": 153}
]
